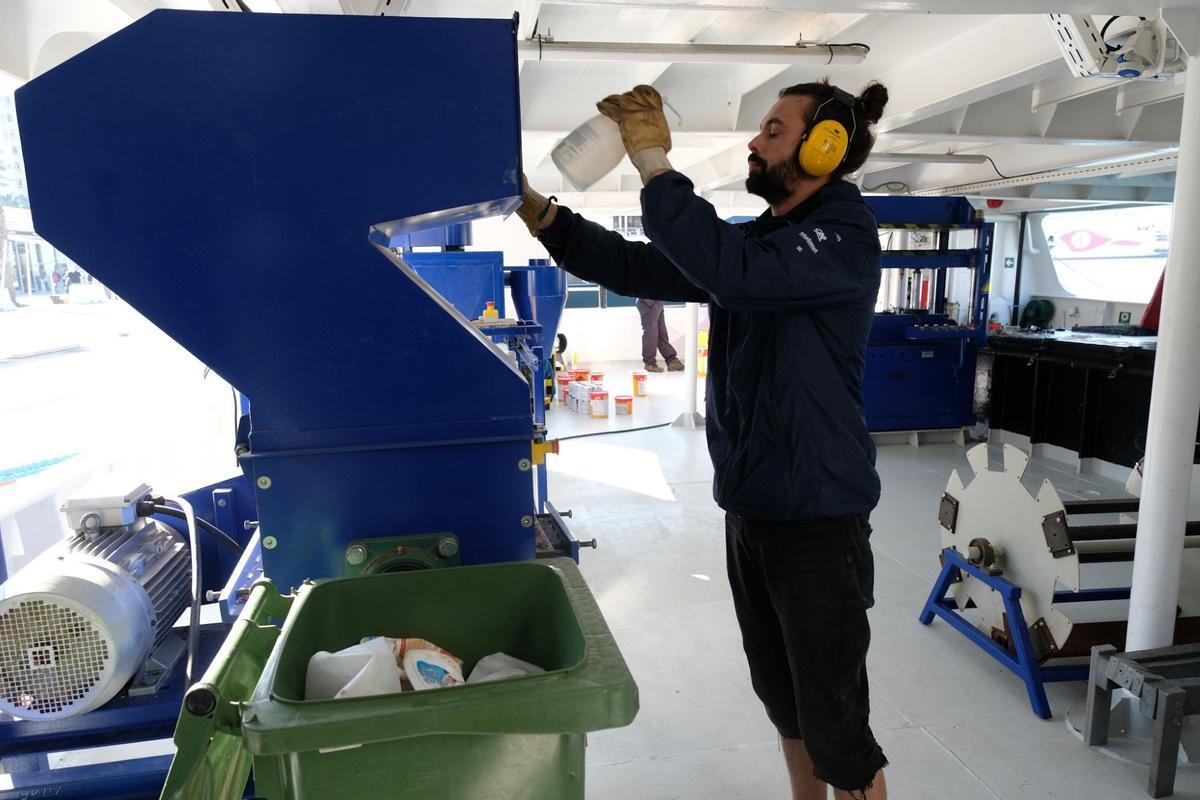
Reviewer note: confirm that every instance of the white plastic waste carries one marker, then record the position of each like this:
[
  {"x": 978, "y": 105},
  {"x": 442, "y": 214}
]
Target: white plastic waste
[
  {"x": 432, "y": 669},
  {"x": 589, "y": 152},
  {"x": 363, "y": 669},
  {"x": 499, "y": 666}
]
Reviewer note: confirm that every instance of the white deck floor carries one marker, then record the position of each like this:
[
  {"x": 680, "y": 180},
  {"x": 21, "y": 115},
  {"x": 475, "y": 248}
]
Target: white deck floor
[{"x": 952, "y": 721}]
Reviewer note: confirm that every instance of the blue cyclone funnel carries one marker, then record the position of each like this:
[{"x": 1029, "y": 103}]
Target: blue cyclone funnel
[{"x": 539, "y": 294}]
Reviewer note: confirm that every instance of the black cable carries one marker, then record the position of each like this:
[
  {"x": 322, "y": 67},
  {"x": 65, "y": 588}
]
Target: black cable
[
  {"x": 903, "y": 187},
  {"x": 217, "y": 533},
  {"x": 1046, "y": 171},
  {"x": 622, "y": 430},
  {"x": 1104, "y": 39},
  {"x": 197, "y": 581},
  {"x": 866, "y": 47},
  {"x": 1020, "y": 174}
]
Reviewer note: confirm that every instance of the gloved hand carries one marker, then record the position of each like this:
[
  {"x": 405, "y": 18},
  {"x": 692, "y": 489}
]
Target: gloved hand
[
  {"x": 640, "y": 115},
  {"x": 644, "y": 130},
  {"x": 535, "y": 209}
]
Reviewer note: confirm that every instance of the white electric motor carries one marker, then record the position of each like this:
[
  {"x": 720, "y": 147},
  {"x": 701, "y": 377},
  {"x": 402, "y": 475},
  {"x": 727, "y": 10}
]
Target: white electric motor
[{"x": 77, "y": 623}]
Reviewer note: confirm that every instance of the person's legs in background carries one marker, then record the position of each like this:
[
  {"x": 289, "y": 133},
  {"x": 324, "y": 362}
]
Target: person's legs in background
[
  {"x": 664, "y": 343},
  {"x": 651, "y": 312}
]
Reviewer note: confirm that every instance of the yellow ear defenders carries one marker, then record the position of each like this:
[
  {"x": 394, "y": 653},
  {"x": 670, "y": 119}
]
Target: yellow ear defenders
[{"x": 826, "y": 142}]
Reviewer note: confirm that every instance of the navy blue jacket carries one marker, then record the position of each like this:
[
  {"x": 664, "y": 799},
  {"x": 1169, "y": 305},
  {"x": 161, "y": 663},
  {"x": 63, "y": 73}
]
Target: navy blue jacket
[{"x": 790, "y": 306}]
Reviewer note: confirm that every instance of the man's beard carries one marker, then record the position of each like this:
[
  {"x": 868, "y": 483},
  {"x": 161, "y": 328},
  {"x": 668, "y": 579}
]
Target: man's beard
[{"x": 772, "y": 182}]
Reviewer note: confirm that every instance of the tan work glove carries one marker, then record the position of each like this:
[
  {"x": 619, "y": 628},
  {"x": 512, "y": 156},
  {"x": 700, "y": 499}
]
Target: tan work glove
[
  {"x": 640, "y": 115},
  {"x": 644, "y": 130},
  {"x": 535, "y": 209}
]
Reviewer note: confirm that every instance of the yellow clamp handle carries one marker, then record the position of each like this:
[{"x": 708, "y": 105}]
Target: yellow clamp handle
[{"x": 540, "y": 449}]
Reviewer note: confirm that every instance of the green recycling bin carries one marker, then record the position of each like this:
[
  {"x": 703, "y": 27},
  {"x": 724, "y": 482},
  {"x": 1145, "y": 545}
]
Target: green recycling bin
[{"x": 517, "y": 739}]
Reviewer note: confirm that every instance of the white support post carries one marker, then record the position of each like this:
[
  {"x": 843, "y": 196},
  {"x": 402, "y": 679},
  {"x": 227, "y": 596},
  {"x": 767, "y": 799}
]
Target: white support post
[
  {"x": 1174, "y": 405},
  {"x": 691, "y": 417}
]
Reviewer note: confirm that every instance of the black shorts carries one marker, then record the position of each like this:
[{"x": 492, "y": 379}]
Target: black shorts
[{"x": 801, "y": 592}]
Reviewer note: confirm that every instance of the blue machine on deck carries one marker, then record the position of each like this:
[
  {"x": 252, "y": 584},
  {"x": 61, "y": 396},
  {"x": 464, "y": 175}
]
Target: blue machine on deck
[
  {"x": 920, "y": 370},
  {"x": 244, "y": 180}
]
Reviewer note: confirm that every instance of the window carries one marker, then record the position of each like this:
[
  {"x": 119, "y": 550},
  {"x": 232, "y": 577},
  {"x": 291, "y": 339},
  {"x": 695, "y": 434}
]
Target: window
[
  {"x": 629, "y": 226},
  {"x": 1109, "y": 254}
]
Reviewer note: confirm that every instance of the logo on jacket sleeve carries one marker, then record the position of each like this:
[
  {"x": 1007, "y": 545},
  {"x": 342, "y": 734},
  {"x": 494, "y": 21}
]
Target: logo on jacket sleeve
[{"x": 808, "y": 241}]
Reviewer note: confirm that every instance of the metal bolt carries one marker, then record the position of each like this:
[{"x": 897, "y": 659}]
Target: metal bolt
[
  {"x": 524, "y": 465},
  {"x": 212, "y": 596},
  {"x": 447, "y": 548},
  {"x": 241, "y": 450},
  {"x": 222, "y": 503},
  {"x": 526, "y": 521},
  {"x": 269, "y": 542},
  {"x": 264, "y": 482},
  {"x": 356, "y": 554}
]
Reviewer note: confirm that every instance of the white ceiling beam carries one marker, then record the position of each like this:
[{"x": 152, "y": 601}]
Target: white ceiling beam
[
  {"x": 26, "y": 27},
  {"x": 535, "y": 146},
  {"x": 1051, "y": 92},
  {"x": 728, "y": 166},
  {"x": 1144, "y": 8},
  {"x": 895, "y": 157},
  {"x": 1183, "y": 19},
  {"x": 1030, "y": 165},
  {"x": 135, "y": 8},
  {"x": 1113, "y": 193},
  {"x": 1139, "y": 94},
  {"x": 1088, "y": 120},
  {"x": 14, "y": 46},
  {"x": 915, "y": 95},
  {"x": 1054, "y": 175},
  {"x": 818, "y": 28},
  {"x": 994, "y": 136}
]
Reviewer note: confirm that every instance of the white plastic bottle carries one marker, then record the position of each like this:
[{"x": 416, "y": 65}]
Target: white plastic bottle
[
  {"x": 589, "y": 152},
  {"x": 364, "y": 669},
  {"x": 500, "y": 666}
]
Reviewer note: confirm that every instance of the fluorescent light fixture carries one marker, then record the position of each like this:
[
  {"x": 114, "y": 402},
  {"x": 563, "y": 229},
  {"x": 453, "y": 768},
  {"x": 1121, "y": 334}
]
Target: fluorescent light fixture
[{"x": 551, "y": 50}]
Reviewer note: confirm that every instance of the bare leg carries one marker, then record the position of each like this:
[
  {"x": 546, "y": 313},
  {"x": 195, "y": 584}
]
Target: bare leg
[
  {"x": 805, "y": 785},
  {"x": 878, "y": 791}
]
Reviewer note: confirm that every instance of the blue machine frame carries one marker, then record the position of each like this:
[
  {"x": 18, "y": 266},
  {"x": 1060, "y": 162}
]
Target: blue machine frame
[
  {"x": 221, "y": 176},
  {"x": 351, "y": 436},
  {"x": 920, "y": 371},
  {"x": 1021, "y": 658},
  {"x": 468, "y": 281}
]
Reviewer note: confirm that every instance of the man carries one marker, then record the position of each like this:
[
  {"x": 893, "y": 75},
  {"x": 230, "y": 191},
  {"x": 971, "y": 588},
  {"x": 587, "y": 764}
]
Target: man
[
  {"x": 791, "y": 299},
  {"x": 654, "y": 337}
]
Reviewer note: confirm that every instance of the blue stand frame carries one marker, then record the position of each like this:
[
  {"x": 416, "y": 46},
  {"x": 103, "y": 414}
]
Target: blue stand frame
[{"x": 1023, "y": 662}]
